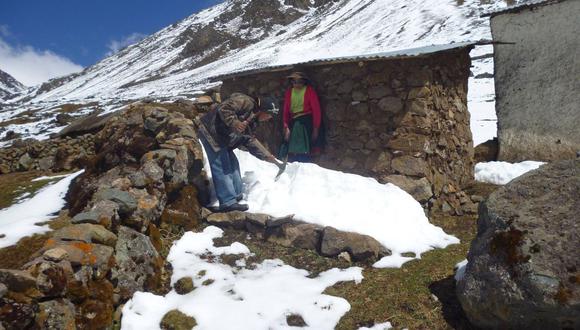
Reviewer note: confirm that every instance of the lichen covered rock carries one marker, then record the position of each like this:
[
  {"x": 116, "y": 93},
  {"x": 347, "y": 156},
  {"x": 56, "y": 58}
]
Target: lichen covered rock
[{"x": 523, "y": 269}]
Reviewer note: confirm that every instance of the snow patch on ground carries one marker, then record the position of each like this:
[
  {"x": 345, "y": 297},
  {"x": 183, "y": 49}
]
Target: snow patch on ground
[
  {"x": 259, "y": 297},
  {"x": 503, "y": 172},
  {"x": 481, "y": 95},
  {"x": 460, "y": 270},
  {"x": 378, "y": 326},
  {"x": 18, "y": 220},
  {"x": 347, "y": 202}
]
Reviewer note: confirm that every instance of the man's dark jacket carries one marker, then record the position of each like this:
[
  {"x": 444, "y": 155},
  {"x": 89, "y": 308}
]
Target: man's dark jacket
[{"x": 217, "y": 126}]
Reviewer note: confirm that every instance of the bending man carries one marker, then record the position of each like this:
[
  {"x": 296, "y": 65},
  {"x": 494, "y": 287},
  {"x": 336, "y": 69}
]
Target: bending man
[{"x": 225, "y": 128}]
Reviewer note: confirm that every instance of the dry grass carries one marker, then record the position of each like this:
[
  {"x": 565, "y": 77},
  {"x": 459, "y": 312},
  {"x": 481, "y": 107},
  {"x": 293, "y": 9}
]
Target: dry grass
[
  {"x": 15, "y": 184},
  {"x": 11, "y": 186}
]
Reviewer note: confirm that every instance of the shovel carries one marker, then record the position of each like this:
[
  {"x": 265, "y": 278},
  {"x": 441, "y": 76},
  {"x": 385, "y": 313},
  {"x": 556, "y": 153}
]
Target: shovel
[{"x": 281, "y": 168}]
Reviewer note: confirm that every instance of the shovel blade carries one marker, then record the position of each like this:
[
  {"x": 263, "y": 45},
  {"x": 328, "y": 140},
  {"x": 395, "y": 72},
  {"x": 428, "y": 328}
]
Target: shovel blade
[{"x": 281, "y": 169}]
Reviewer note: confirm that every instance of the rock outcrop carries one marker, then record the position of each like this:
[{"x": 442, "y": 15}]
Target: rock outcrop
[
  {"x": 524, "y": 269},
  {"x": 146, "y": 158}
]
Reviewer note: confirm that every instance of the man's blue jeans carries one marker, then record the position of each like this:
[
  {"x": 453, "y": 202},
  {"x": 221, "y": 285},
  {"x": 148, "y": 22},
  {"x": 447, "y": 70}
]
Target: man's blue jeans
[{"x": 225, "y": 173}]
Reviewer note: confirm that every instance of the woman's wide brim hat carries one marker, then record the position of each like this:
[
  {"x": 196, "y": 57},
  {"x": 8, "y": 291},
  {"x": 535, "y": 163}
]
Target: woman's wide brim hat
[{"x": 298, "y": 75}]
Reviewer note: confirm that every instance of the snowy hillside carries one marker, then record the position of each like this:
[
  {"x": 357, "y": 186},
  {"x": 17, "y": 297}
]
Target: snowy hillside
[
  {"x": 9, "y": 86},
  {"x": 242, "y": 34},
  {"x": 156, "y": 65}
]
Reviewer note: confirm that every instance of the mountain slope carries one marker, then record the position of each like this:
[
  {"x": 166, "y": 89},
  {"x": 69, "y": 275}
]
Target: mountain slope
[
  {"x": 9, "y": 87},
  {"x": 243, "y": 34},
  {"x": 237, "y": 35}
]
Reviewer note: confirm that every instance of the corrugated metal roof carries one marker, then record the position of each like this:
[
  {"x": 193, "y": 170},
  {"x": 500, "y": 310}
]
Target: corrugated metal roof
[
  {"x": 402, "y": 53},
  {"x": 522, "y": 6}
]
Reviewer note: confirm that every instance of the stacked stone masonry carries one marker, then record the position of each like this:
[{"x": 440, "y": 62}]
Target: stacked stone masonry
[
  {"x": 403, "y": 121},
  {"x": 63, "y": 154}
]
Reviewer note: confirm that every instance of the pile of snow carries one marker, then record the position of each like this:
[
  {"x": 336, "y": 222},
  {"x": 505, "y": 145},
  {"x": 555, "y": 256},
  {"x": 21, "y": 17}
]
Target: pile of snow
[
  {"x": 503, "y": 172},
  {"x": 481, "y": 95},
  {"x": 19, "y": 220},
  {"x": 239, "y": 297},
  {"x": 347, "y": 202}
]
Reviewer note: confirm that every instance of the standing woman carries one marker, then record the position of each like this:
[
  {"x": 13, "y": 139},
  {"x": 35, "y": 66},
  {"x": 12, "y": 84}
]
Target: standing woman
[{"x": 302, "y": 118}]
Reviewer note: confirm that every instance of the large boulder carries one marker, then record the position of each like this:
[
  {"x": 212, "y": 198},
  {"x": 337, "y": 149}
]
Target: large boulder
[
  {"x": 524, "y": 267},
  {"x": 138, "y": 265}
]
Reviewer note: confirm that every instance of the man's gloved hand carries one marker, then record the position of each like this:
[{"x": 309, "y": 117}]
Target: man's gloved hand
[
  {"x": 271, "y": 159},
  {"x": 240, "y": 126}
]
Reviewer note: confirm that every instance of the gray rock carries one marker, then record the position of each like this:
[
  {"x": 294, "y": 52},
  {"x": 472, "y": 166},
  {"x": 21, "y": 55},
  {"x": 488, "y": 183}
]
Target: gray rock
[
  {"x": 410, "y": 165},
  {"x": 420, "y": 189},
  {"x": 152, "y": 171},
  {"x": 139, "y": 179},
  {"x": 3, "y": 290},
  {"x": 126, "y": 201},
  {"x": 16, "y": 315},
  {"x": 279, "y": 221},
  {"x": 98, "y": 257},
  {"x": 86, "y": 217},
  {"x": 235, "y": 219},
  {"x": 55, "y": 255},
  {"x": 24, "y": 162},
  {"x": 138, "y": 262},
  {"x": 523, "y": 265},
  {"x": 360, "y": 247},
  {"x": 56, "y": 314},
  {"x": 377, "y": 92},
  {"x": 256, "y": 223},
  {"x": 88, "y": 124},
  {"x": 391, "y": 104},
  {"x": 46, "y": 163},
  {"x": 300, "y": 235},
  {"x": 154, "y": 119},
  {"x": 86, "y": 232},
  {"x": 52, "y": 278},
  {"x": 17, "y": 280}
]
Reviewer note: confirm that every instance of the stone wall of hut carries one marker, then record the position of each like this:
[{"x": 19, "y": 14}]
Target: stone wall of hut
[{"x": 403, "y": 121}]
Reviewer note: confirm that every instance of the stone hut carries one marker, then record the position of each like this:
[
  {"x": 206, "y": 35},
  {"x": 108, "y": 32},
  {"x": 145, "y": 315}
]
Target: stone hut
[
  {"x": 399, "y": 117},
  {"x": 536, "y": 80}
]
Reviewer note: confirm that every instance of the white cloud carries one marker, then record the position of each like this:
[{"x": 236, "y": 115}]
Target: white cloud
[
  {"x": 4, "y": 31},
  {"x": 31, "y": 66},
  {"x": 116, "y": 45}
]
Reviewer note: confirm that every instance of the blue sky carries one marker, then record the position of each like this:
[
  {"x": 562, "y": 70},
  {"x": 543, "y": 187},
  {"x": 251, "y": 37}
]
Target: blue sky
[{"x": 41, "y": 39}]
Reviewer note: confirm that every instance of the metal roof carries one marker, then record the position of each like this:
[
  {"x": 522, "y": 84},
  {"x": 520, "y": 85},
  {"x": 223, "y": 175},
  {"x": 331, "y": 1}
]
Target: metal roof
[
  {"x": 522, "y": 6},
  {"x": 396, "y": 54}
]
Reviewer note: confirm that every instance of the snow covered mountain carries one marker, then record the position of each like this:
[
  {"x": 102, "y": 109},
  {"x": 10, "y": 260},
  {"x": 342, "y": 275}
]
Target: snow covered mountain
[
  {"x": 243, "y": 34},
  {"x": 9, "y": 87}
]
